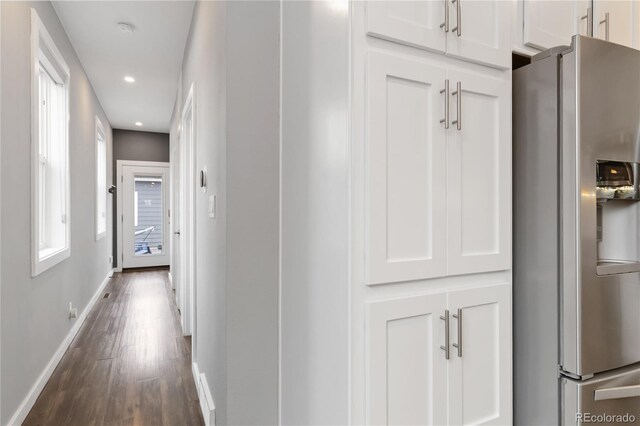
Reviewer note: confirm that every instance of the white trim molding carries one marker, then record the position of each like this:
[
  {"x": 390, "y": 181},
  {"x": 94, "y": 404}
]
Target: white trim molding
[
  {"x": 207, "y": 406},
  {"x": 30, "y": 399},
  {"x": 100, "y": 192}
]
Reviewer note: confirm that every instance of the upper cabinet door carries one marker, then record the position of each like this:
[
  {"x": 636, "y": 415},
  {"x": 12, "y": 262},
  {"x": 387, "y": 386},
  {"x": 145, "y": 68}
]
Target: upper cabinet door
[
  {"x": 480, "y": 31},
  {"x": 620, "y": 21},
  {"x": 480, "y": 364},
  {"x": 415, "y": 23},
  {"x": 406, "y": 170},
  {"x": 550, "y": 23},
  {"x": 479, "y": 175},
  {"x": 406, "y": 369}
]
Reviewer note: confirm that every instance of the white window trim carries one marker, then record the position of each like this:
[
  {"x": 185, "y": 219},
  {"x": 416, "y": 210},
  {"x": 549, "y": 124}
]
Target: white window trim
[
  {"x": 100, "y": 133},
  {"x": 45, "y": 259}
]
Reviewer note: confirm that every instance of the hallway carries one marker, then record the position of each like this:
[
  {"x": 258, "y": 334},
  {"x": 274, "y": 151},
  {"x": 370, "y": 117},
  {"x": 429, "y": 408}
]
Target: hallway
[{"x": 129, "y": 363}]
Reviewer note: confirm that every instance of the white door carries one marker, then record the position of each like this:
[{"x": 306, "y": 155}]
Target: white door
[
  {"x": 176, "y": 183},
  {"x": 406, "y": 379},
  {"x": 145, "y": 215},
  {"x": 619, "y": 16},
  {"x": 405, "y": 168},
  {"x": 414, "y": 23},
  {"x": 552, "y": 23},
  {"x": 479, "y": 175},
  {"x": 482, "y": 32},
  {"x": 480, "y": 364}
]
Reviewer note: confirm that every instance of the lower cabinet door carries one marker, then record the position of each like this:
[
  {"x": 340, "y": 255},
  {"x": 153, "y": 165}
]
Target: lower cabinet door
[
  {"x": 406, "y": 377},
  {"x": 480, "y": 365}
]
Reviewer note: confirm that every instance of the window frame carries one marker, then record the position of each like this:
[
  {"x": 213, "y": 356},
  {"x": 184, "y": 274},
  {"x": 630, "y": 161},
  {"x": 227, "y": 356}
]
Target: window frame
[
  {"x": 100, "y": 192},
  {"x": 45, "y": 55}
]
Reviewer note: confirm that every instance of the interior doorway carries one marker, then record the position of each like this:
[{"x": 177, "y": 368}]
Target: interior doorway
[{"x": 143, "y": 204}]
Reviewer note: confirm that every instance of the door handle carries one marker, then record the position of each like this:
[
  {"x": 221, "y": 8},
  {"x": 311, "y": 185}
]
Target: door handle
[
  {"x": 445, "y": 24},
  {"x": 177, "y": 233},
  {"x": 458, "y": 94},
  {"x": 445, "y": 120},
  {"x": 458, "y": 27},
  {"x": 605, "y": 21},
  {"x": 589, "y": 18},
  {"x": 617, "y": 392},
  {"x": 445, "y": 348},
  {"x": 458, "y": 345}
]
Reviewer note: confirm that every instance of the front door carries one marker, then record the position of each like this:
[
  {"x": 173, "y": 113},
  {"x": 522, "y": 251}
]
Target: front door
[{"x": 145, "y": 215}]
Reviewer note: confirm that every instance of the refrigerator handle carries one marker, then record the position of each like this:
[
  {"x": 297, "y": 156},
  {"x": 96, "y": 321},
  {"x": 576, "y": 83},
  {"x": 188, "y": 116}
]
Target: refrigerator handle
[
  {"x": 617, "y": 392},
  {"x": 445, "y": 120},
  {"x": 589, "y": 18},
  {"x": 445, "y": 348},
  {"x": 605, "y": 21}
]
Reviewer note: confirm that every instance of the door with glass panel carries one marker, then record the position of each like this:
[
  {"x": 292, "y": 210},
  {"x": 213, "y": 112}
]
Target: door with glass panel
[{"x": 145, "y": 215}]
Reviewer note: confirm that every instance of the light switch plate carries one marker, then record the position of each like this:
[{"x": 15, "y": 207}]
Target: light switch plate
[{"x": 212, "y": 206}]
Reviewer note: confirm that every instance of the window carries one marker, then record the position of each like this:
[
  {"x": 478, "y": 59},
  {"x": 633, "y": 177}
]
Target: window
[
  {"x": 101, "y": 181},
  {"x": 50, "y": 151}
]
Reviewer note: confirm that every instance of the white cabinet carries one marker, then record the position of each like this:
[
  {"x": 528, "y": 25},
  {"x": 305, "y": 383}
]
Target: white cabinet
[
  {"x": 478, "y": 175},
  {"x": 407, "y": 370},
  {"x": 550, "y": 23},
  {"x": 615, "y": 20},
  {"x": 480, "y": 363},
  {"x": 476, "y": 30},
  {"x": 438, "y": 199},
  {"x": 409, "y": 378}
]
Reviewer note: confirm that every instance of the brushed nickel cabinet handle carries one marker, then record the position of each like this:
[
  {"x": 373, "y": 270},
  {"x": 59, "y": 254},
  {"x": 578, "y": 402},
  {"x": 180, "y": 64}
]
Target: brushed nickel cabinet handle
[
  {"x": 445, "y": 120},
  {"x": 458, "y": 345},
  {"x": 445, "y": 348},
  {"x": 445, "y": 24},
  {"x": 458, "y": 94},
  {"x": 458, "y": 27},
  {"x": 605, "y": 21},
  {"x": 589, "y": 18}
]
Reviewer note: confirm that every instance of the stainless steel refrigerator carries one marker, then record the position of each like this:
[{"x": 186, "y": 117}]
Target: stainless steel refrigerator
[{"x": 576, "y": 113}]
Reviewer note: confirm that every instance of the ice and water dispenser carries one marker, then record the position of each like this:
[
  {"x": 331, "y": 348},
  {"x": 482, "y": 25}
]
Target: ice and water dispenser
[{"x": 618, "y": 217}]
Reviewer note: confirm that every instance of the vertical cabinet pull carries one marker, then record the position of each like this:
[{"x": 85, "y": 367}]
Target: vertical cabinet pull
[
  {"x": 445, "y": 24},
  {"x": 445, "y": 348},
  {"x": 458, "y": 27},
  {"x": 458, "y": 94},
  {"x": 445, "y": 120},
  {"x": 589, "y": 18},
  {"x": 458, "y": 345},
  {"x": 605, "y": 21}
]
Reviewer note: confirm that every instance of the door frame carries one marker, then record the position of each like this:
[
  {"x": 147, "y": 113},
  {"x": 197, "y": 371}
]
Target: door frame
[
  {"x": 119, "y": 213},
  {"x": 187, "y": 269}
]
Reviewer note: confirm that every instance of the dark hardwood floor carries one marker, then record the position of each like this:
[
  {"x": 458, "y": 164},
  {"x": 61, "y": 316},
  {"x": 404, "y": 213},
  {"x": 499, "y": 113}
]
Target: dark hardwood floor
[{"x": 128, "y": 365}]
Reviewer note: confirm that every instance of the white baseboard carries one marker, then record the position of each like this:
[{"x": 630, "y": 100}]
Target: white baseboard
[
  {"x": 207, "y": 406},
  {"x": 23, "y": 410}
]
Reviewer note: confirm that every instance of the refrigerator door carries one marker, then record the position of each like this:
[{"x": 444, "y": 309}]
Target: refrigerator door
[
  {"x": 600, "y": 118},
  {"x": 612, "y": 399}
]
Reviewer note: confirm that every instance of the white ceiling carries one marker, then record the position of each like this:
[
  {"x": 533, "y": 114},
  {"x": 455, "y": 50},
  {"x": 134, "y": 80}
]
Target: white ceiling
[{"x": 152, "y": 54}]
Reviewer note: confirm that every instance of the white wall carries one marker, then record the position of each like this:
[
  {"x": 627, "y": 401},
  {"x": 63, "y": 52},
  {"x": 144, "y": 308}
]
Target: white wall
[
  {"x": 35, "y": 311},
  {"x": 315, "y": 222},
  {"x": 232, "y": 60}
]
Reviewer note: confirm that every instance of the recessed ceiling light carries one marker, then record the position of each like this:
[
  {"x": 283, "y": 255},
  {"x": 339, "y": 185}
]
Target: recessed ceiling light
[
  {"x": 129, "y": 79},
  {"x": 138, "y": 123},
  {"x": 126, "y": 27}
]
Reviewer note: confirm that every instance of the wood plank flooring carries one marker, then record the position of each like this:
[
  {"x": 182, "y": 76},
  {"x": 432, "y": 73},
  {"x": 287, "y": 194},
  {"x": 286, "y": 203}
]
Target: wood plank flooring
[{"x": 128, "y": 365}]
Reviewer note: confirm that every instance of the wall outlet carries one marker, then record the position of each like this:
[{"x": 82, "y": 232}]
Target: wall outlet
[{"x": 73, "y": 312}]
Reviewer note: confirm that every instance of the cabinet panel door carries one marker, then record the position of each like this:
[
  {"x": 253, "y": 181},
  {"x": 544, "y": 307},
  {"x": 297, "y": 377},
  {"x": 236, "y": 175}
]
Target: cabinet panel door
[
  {"x": 551, "y": 23},
  {"x": 621, "y": 21},
  {"x": 480, "y": 375},
  {"x": 406, "y": 379},
  {"x": 414, "y": 23},
  {"x": 484, "y": 32},
  {"x": 405, "y": 169},
  {"x": 479, "y": 176}
]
